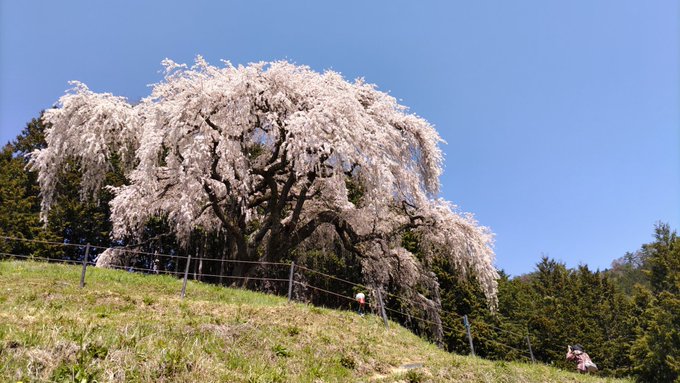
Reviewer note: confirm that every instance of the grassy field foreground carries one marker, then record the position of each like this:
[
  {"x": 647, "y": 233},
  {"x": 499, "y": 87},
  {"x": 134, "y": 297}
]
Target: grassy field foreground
[{"x": 127, "y": 327}]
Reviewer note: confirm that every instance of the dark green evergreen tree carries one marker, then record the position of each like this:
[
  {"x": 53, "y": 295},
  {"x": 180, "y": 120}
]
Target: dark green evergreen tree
[
  {"x": 70, "y": 221},
  {"x": 19, "y": 196},
  {"x": 19, "y": 205},
  {"x": 656, "y": 352}
]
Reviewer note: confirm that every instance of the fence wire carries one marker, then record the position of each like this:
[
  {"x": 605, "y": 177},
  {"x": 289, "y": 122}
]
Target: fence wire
[{"x": 291, "y": 281}]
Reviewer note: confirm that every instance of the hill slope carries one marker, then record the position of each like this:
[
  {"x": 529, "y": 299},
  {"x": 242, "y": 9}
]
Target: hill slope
[{"x": 131, "y": 327}]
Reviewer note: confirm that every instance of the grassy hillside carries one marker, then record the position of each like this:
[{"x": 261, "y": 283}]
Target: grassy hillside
[{"x": 130, "y": 327}]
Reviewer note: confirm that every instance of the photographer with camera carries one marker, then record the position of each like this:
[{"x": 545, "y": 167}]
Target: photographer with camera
[{"x": 577, "y": 354}]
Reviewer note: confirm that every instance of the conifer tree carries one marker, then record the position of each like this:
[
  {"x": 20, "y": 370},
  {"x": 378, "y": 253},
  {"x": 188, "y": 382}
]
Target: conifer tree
[
  {"x": 19, "y": 193},
  {"x": 656, "y": 351}
]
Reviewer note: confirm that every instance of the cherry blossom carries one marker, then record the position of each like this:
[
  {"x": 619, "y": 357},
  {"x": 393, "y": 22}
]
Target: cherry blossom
[{"x": 269, "y": 154}]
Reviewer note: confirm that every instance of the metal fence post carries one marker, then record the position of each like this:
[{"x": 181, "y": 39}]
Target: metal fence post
[
  {"x": 85, "y": 259},
  {"x": 382, "y": 308},
  {"x": 530, "y": 351},
  {"x": 469, "y": 335},
  {"x": 290, "y": 281},
  {"x": 186, "y": 273}
]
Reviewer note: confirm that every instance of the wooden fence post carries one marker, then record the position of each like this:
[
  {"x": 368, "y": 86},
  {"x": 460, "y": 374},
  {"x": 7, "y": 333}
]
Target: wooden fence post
[
  {"x": 85, "y": 260},
  {"x": 469, "y": 335},
  {"x": 186, "y": 274},
  {"x": 290, "y": 281},
  {"x": 382, "y": 308}
]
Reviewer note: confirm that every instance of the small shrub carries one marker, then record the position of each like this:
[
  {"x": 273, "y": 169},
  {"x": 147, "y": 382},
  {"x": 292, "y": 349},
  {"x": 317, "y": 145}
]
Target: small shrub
[
  {"x": 280, "y": 350},
  {"x": 73, "y": 373},
  {"x": 174, "y": 362},
  {"x": 348, "y": 362},
  {"x": 414, "y": 376},
  {"x": 102, "y": 311},
  {"x": 293, "y": 330},
  {"x": 96, "y": 351},
  {"x": 11, "y": 344},
  {"x": 30, "y": 297},
  {"x": 148, "y": 300}
]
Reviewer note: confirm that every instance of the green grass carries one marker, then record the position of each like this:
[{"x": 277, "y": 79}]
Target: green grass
[{"x": 126, "y": 327}]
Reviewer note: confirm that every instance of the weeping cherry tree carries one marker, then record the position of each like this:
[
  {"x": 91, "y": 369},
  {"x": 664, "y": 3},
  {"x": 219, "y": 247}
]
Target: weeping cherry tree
[{"x": 267, "y": 155}]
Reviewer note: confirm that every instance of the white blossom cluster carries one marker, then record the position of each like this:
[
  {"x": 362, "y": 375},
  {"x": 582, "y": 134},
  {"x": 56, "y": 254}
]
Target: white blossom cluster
[{"x": 264, "y": 153}]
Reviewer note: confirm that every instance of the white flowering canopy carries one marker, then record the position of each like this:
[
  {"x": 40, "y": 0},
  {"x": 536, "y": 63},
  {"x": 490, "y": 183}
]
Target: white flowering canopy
[{"x": 267, "y": 154}]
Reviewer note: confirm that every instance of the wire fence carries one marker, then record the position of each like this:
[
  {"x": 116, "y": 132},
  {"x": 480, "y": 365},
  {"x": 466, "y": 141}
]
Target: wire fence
[{"x": 297, "y": 282}]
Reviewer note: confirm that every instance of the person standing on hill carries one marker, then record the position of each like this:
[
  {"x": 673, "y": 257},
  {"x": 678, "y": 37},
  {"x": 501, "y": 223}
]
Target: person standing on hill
[
  {"x": 361, "y": 299},
  {"x": 577, "y": 354}
]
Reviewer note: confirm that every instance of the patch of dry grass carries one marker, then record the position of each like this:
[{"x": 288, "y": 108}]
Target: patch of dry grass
[{"x": 135, "y": 328}]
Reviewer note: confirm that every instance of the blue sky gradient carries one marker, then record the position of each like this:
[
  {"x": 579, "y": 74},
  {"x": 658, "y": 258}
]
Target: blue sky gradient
[{"x": 561, "y": 119}]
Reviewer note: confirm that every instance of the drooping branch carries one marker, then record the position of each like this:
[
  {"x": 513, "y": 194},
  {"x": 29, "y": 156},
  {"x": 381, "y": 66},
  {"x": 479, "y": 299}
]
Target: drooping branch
[{"x": 264, "y": 152}]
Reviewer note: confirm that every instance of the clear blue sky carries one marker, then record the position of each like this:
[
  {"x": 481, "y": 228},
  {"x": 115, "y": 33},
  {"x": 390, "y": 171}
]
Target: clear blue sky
[{"x": 562, "y": 117}]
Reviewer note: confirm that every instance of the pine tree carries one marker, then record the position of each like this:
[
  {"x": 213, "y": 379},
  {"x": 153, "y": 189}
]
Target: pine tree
[
  {"x": 19, "y": 205},
  {"x": 19, "y": 193},
  {"x": 656, "y": 352},
  {"x": 71, "y": 221}
]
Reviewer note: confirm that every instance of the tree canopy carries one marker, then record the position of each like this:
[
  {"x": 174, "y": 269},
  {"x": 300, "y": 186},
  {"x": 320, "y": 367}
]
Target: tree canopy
[{"x": 267, "y": 155}]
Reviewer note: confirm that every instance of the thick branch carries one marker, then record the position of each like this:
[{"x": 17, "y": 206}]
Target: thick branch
[
  {"x": 346, "y": 232},
  {"x": 297, "y": 210},
  {"x": 215, "y": 204}
]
